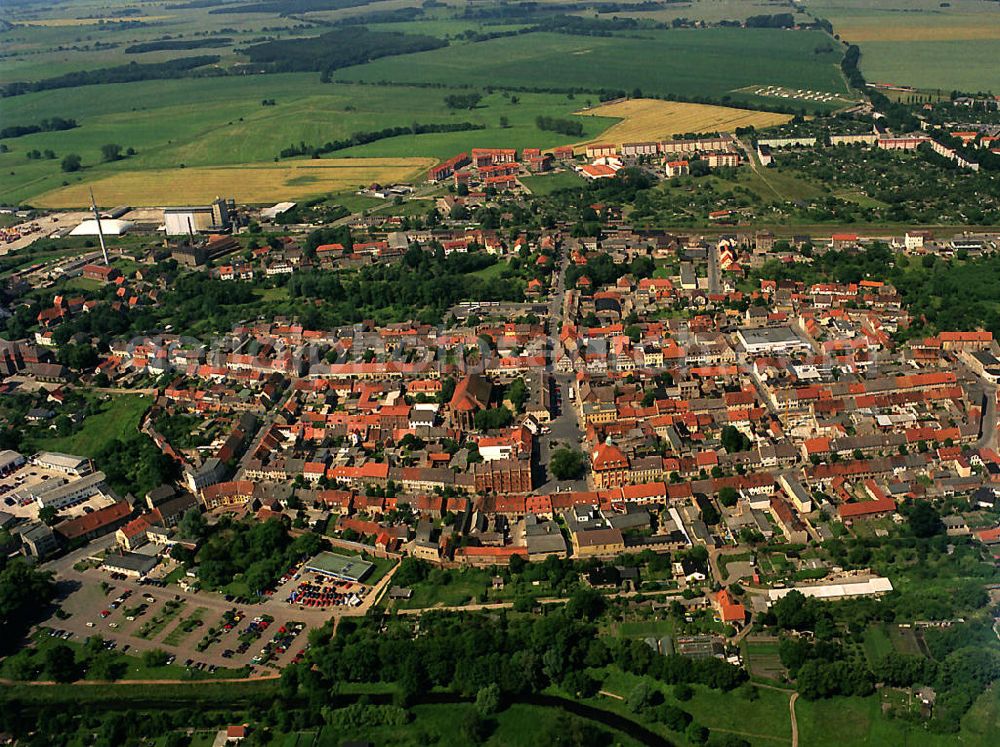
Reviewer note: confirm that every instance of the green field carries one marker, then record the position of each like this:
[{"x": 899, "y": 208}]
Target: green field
[
  {"x": 545, "y": 184},
  {"x": 860, "y": 721},
  {"x": 118, "y": 420},
  {"x": 928, "y": 44},
  {"x": 835, "y": 722},
  {"x": 699, "y": 63},
  {"x": 942, "y": 65}
]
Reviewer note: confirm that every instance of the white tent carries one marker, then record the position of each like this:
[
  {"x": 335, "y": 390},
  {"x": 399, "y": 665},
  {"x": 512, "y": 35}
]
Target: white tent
[{"x": 108, "y": 226}]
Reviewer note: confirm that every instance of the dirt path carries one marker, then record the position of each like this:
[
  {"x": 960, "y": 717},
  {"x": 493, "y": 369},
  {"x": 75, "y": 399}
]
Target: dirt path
[{"x": 795, "y": 723}]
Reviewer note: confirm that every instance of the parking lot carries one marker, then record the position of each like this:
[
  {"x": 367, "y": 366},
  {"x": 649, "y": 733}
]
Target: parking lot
[
  {"x": 318, "y": 591},
  {"x": 29, "y": 476},
  {"x": 138, "y": 617},
  {"x": 203, "y": 629}
]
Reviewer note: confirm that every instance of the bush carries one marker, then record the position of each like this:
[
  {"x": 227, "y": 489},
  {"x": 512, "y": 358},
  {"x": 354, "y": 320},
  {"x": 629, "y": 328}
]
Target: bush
[{"x": 155, "y": 657}]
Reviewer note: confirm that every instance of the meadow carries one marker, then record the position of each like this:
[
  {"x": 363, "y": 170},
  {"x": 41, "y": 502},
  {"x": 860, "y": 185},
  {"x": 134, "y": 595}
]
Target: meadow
[
  {"x": 651, "y": 119},
  {"x": 118, "y": 419},
  {"x": 698, "y": 63}
]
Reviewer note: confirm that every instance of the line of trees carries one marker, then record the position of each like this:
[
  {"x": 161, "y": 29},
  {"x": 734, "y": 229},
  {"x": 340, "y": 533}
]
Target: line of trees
[
  {"x": 362, "y": 138},
  {"x": 774, "y": 21},
  {"x": 560, "y": 125},
  {"x": 178, "y": 44},
  {"x": 130, "y": 73},
  {"x": 462, "y": 100},
  {"x": 336, "y": 49},
  {"x": 53, "y": 124}
]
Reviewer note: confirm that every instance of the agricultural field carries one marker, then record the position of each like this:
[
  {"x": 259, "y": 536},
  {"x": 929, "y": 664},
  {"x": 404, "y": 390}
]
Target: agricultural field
[
  {"x": 651, "y": 119},
  {"x": 169, "y": 125},
  {"x": 959, "y": 41},
  {"x": 713, "y": 11},
  {"x": 250, "y": 183},
  {"x": 686, "y": 62},
  {"x": 48, "y": 40}
]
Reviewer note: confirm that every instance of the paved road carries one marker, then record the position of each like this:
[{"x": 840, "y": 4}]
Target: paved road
[
  {"x": 564, "y": 427},
  {"x": 714, "y": 276},
  {"x": 988, "y": 429}
]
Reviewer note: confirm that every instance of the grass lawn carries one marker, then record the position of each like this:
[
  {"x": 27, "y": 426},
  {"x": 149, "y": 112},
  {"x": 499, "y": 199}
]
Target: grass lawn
[
  {"x": 118, "y": 420},
  {"x": 763, "y": 721},
  {"x": 518, "y": 725},
  {"x": 877, "y": 644},
  {"x": 357, "y": 203},
  {"x": 493, "y": 271},
  {"x": 175, "y": 575},
  {"x": 382, "y": 567},
  {"x": 546, "y": 184},
  {"x": 463, "y": 586},
  {"x": 272, "y": 294},
  {"x": 227, "y": 695},
  {"x": 645, "y": 628}
]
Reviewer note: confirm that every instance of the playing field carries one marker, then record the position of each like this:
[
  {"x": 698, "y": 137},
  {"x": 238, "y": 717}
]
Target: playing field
[
  {"x": 651, "y": 119},
  {"x": 252, "y": 183},
  {"x": 685, "y": 62}
]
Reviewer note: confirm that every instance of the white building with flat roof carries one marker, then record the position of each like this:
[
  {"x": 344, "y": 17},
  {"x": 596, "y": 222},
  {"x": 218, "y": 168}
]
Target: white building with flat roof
[
  {"x": 873, "y": 586},
  {"x": 57, "y": 494},
  {"x": 770, "y": 340},
  {"x": 65, "y": 463}
]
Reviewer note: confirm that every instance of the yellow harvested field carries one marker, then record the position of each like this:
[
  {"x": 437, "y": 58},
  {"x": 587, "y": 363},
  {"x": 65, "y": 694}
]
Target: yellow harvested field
[
  {"x": 252, "y": 183},
  {"x": 651, "y": 119},
  {"x": 987, "y": 26}
]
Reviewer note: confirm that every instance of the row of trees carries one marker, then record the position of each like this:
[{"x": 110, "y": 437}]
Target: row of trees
[
  {"x": 363, "y": 138},
  {"x": 258, "y": 551},
  {"x": 336, "y": 49},
  {"x": 557, "y": 124},
  {"x": 52, "y": 124},
  {"x": 121, "y": 74}
]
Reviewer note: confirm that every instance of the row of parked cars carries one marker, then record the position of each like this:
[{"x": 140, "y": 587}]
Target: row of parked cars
[
  {"x": 280, "y": 643},
  {"x": 324, "y": 594}
]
